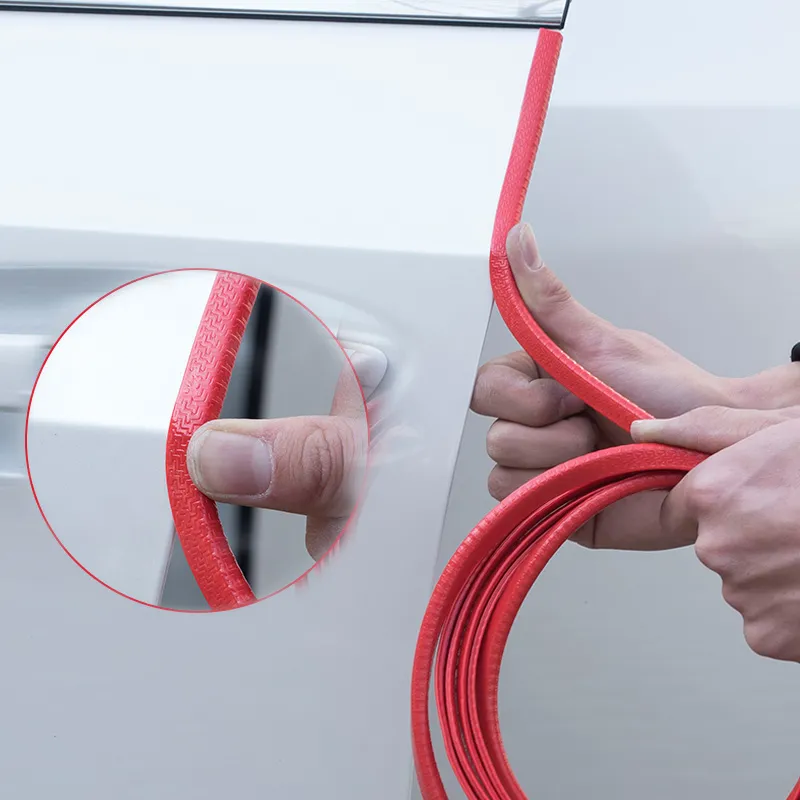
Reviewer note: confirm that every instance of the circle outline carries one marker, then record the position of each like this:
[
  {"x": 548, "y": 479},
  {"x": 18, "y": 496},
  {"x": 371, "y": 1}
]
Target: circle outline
[{"x": 303, "y": 577}]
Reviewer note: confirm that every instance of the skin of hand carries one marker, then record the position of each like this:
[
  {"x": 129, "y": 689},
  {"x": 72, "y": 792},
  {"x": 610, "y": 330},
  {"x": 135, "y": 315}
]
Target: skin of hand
[
  {"x": 741, "y": 506},
  {"x": 310, "y": 465},
  {"x": 539, "y": 424}
]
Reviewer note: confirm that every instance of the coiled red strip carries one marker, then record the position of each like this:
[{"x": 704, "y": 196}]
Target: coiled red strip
[
  {"x": 483, "y": 586},
  {"x": 200, "y": 399},
  {"x": 481, "y": 589}
]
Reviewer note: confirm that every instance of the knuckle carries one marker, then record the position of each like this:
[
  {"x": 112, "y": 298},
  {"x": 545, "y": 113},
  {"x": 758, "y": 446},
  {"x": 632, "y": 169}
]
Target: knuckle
[
  {"x": 734, "y": 597},
  {"x": 486, "y": 390},
  {"x": 547, "y": 401},
  {"x": 496, "y": 438},
  {"x": 554, "y": 294},
  {"x": 711, "y": 552},
  {"x": 498, "y": 484},
  {"x": 767, "y": 639},
  {"x": 520, "y": 361},
  {"x": 324, "y": 456},
  {"x": 704, "y": 490}
]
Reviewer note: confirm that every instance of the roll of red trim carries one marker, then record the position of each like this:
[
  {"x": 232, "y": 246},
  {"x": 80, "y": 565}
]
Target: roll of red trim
[
  {"x": 200, "y": 399},
  {"x": 481, "y": 589}
]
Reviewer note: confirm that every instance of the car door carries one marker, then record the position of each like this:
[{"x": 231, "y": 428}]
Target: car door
[{"x": 355, "y": 165}]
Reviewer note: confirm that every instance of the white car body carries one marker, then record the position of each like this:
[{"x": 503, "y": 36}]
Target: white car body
[{"x": 358, "y": 166}]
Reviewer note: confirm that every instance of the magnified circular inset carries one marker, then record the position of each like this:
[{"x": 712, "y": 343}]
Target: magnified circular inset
[{"x": 196, "y": 439}]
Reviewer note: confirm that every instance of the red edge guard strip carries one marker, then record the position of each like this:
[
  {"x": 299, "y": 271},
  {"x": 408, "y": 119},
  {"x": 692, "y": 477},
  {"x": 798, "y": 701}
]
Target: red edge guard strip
[
  {"x": 200, "y": 399},
  {"x": 477, "y": 597}
]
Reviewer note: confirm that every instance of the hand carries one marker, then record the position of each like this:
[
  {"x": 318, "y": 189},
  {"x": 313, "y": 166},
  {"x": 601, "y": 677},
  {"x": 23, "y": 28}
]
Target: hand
[
  {"x": 742, "y": 505},
  {"x": 539, "y": 424},
  {"x": 301, "y": 465}
]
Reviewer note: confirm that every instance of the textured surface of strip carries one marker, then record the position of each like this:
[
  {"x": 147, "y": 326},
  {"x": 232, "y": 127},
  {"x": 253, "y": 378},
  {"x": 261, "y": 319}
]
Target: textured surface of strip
[
  {"x": 525, "y": 329},
  {"x": 477, "y": 597},
  {"x": 200, "y": 399}
]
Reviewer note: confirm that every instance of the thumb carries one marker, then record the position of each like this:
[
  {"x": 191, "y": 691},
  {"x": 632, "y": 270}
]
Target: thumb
[
  {"x": 301, "y": 465},
  {"x": 569, "y": 324},
  {"x": 710, "y": 428}
]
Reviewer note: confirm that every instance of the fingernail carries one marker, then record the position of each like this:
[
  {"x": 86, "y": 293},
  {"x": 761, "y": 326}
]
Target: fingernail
[
  {"x": 370, "y": 368},
  {"x": 644, "y": 429},
  {"x": 222, "y": 463},
  {"x": 529, "y": 248}
]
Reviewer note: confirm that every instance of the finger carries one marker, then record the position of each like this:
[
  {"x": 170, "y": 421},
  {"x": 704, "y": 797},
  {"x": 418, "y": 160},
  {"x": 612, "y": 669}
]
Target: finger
[
  {"x": 507, "y": 393},
  {"x": 301, "y": 465},
  {"x": 772, "y": 388},
  {"x": 322, "y": 533},
  {"x": 768, "y": 637},
  {"x": 357, "y": 382},
  {"x": 634, "y": 524},
  {"x": 522, "y": 447},
  {"x": 678, "y": 519},
  {"x": 708, "y": 429},
  {"x": 518, "y": 360},
  {"x": 571, "y": 326},
  {"x": 504, "y": 481}
]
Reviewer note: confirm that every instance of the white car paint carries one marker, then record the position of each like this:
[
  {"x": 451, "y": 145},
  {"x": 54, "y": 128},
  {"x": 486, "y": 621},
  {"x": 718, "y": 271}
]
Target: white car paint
[{"x": 670, "y": 147}]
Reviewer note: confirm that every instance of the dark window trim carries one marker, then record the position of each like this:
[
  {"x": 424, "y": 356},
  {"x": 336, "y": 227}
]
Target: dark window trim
[{"x": 42, "y": 6}]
